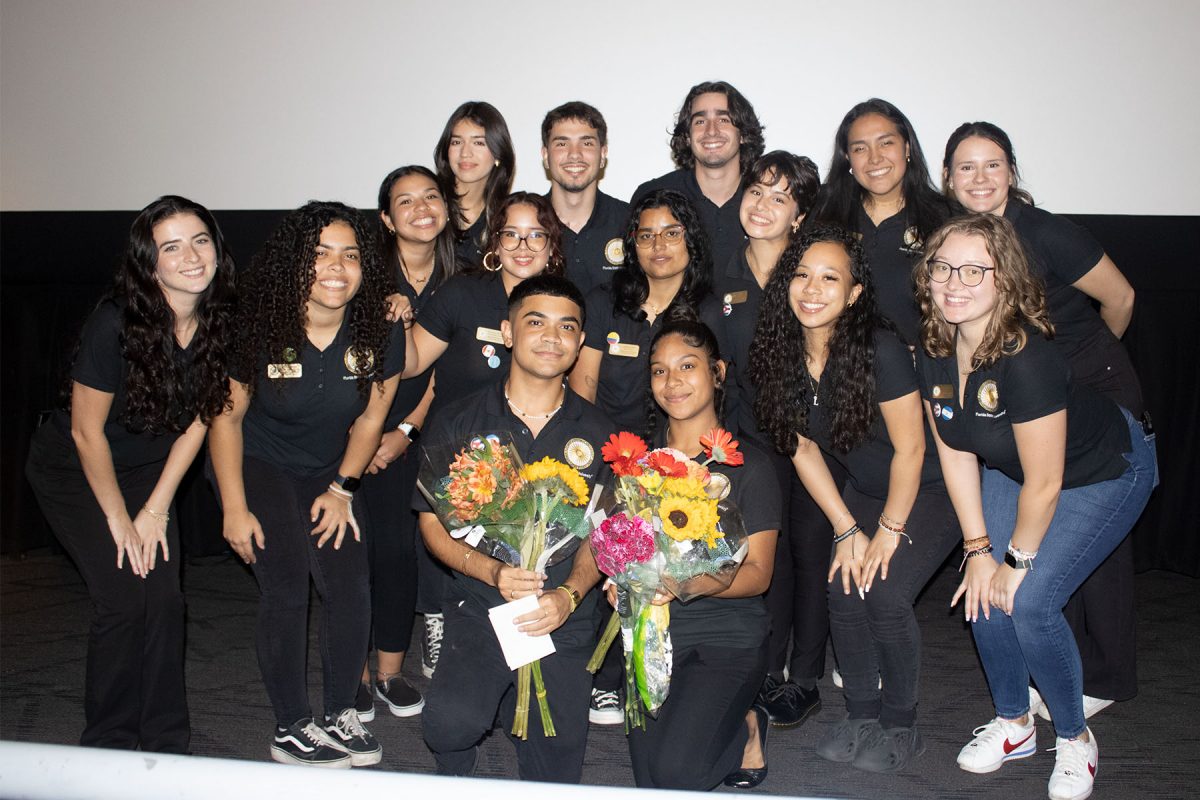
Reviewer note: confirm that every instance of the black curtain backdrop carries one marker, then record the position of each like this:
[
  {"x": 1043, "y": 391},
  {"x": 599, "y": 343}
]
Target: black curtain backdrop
[{"x": 54, "y": 266}]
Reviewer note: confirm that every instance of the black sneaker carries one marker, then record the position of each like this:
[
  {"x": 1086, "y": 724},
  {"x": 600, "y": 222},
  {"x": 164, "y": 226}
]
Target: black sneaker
[
  {"x": 347, "y": 733},
  {"x": 606, "y": 708},
  {"x": 889, "y": 750},
  {"x": 401, "y": 698},
  {"x": 788, "y": 705},
  {"x": 364, "y": 703},
  {"x": 305, "y": 744},
  {"x": 770, "y": 684},
  {"x": 431, "y": 644}
]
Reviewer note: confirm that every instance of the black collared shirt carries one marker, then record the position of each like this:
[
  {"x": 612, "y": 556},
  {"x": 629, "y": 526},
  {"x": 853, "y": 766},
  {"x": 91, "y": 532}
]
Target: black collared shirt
[
  {"x": 1029, "y": 385},
  {"x": 411, "y": 390},
  {"x": 623, "y": 384},
  {"x": 466, "y": 313},
  {"x": 740, "y": 296},
  {"x": 468, "y": 251},
  {"x": 892, "y": 249},
  {"x": 598, "y": 250},
  {"x": 722, "y": 224},
  {"x": 300, "y": 424},
  {"x": 573, "y": 436}
]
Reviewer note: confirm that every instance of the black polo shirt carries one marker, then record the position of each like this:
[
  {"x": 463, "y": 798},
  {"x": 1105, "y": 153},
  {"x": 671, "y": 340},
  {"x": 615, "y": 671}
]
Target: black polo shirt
[
  {"x": 1062, "y": 252},
  {"x": 466, "y": 313},
  {"x": 624, "y": 344},
  {"x": 1026, "y": 386},
  {"x": 598, "y": 250},
  {"x": 892, "y": 249},
  {"x": 573, "y": 436},
  {"x": 467, "y": 251},
  {"x": 411, "y": 390},
  {"x": 300, "y": 424},
  {"x": 740, "y": 297},
  {"x": 100, "y": 365},
  {"x": 738, "y": 621},
  {"x": 722, "y": 223},
  {"x": 869, "y": 464}
]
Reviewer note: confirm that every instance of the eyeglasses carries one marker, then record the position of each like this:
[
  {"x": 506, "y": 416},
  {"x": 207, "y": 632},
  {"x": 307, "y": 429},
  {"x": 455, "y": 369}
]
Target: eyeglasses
[
  {"x": 534, "y": 240},
  {"x": 968, "y": 274},
  {"x": 672, "y": 234}
]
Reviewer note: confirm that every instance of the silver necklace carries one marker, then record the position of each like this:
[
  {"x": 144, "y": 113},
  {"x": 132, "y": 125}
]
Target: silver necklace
[
  {"x": 521, "y": 413},
  {"x": 813, "y": 384}
]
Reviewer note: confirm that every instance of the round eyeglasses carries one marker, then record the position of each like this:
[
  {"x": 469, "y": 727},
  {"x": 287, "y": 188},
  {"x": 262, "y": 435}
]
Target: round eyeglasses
[
  {"x": 534, "y": 240},
  {"x": 968, "y": 274}
]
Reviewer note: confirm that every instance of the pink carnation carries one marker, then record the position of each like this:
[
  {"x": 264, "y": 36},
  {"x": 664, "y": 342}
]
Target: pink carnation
[{"x": 622, "y": 540}]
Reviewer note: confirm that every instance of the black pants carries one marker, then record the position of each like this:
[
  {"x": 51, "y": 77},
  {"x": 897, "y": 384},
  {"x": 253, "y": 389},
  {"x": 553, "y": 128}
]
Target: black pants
[
  {"x": 473, "y": 682},
  {"x": 134, "y": 693},
  {"x": 796, "y": 598},
  {"x": 700, "y": 733},
  {"x": 392, "y": 550},
  {"x": 283, "y": 503},
  {"x": 878, "y": 637}
]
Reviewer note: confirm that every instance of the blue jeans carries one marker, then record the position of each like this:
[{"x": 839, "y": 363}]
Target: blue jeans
[{"x": 1088, "y": 524}]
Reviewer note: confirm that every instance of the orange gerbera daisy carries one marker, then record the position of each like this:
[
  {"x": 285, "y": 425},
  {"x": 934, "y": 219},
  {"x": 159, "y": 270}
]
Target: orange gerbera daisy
[
  {"x": 720, "y": 446},
  {"x": 666, "y": 464},
  {"x": 623, "y": 451}
]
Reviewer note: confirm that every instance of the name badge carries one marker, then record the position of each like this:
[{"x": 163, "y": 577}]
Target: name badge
[
  {"x": 284, "y": 370},
  {"x": 736, "y": 297},
  {"x": 622, "y": 349},
  {"x": 942, "y": 390},
  {"x": 489, "y": 335}
]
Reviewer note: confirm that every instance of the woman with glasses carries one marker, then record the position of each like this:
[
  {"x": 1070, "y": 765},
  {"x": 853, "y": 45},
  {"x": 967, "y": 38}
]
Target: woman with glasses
[
  {"x": 474, "y": 156},
  {"x": 980, "y": 171},
  {"x": 667, "y": 265},
  {"x": 851, "y": 396},
  {"x": 878, "y": 186},
  {"x": 998, "y": 390}
]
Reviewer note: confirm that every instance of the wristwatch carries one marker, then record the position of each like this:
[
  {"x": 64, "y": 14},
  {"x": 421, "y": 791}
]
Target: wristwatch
[
  {"x": 1017, "y": 563},
  {"x": 409, "y": 430},
  {"x": 572, "y": 593},
  {"x": 347, "y": 484}
]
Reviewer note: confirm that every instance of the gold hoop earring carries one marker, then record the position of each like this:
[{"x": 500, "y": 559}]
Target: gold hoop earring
[{"x": 488, "y": 266}]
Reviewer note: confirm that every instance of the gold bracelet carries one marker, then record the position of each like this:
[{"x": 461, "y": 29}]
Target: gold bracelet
[
  {"x": 466, "y": 556},
  {"x": 162, "y": 516},
  {"x": 571, "y": 594}
]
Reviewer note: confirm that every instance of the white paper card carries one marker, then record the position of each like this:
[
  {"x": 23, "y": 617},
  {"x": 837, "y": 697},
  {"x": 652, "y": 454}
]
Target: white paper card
[{"x": 519, "y": 648}]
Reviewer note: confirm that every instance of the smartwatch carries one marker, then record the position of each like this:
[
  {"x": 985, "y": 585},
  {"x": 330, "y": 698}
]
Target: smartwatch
[
  {"x": 409, "y": 430},
  {"x": 347, "y": 484},
  {"x": 1017, "y": 563}
]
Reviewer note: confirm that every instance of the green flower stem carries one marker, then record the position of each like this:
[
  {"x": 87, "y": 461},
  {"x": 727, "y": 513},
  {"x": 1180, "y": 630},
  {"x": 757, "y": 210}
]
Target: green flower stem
[
  {"x": 606, "y": 639},
  {"x": 539, "y": 687},
  {"x": 520, "y": 727}
]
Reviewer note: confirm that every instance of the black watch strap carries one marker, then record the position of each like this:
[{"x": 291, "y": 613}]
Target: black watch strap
[
  {"x": 1018, "y": 563},
  {"x": 347, "y": 484}
]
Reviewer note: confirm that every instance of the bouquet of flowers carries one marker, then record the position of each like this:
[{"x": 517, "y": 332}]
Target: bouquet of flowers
[
  {"x": 527, "y": 515},
  {"x": 665, "y": 527}
]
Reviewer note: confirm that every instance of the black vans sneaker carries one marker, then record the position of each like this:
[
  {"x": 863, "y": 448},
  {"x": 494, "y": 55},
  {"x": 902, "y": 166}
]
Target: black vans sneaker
[
  {"x": 401, "y": 698},
  {"x": 364, "y": 703},
  {"x": 348, "y": 734},
  {"x": 305, "y": 744}
]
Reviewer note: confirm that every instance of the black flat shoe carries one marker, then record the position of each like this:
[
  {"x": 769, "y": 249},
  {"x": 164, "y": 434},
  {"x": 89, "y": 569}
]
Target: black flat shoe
[{"x": 747, "y": 777}]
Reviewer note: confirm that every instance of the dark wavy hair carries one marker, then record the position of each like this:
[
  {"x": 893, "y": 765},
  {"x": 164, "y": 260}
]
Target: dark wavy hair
[
  {"x": 444, "y": 263},
  {"x": 684, "y": 322},
  {"x": 799, "y": 171},
  {"x": 499, "y": 182},
  {"x": 575, "y": 110},
  {"x": 1020, "y": 293},
  {"x": 841, "y": 196},
  {"x": 782, "y": 402},
  {"x": 995, "y": 135},
  {"x": 629, "y": 285},
  {"x": 740, "y": 111},
  {"x": 545, "y": 217},
  {"x": 273, "y": 303},
  {"x": 161, "y": 396}
]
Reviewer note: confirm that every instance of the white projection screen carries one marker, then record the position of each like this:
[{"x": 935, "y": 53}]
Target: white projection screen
[{"x": 263, "y": 104}]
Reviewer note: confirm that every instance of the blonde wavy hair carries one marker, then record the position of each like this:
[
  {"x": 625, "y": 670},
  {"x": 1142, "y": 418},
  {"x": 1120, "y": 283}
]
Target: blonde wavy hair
[{"x": 1021, "y": 295}]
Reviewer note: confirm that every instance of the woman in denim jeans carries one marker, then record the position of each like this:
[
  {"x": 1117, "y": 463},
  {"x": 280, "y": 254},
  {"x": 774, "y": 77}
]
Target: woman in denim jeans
[{"x": 997, "y": 390}]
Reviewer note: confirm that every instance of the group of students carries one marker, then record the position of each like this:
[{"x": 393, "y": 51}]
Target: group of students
[{"x": 905, "y": 369}]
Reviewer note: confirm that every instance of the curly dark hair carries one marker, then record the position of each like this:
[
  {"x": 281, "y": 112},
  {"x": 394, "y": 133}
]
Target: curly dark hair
[
  {"x": 444, "y": 263},
  {"x": 162, "y": 396},
  {"x": 273, "y": 302},
  {"x": 499, "y": 182},
  {"x": 842, "y": 196},
  {"x": 740, "y": 111},
  {"x": 684, "y": 322},
  {"x": 782, "y": 402},
  {"x": 629, "y": 285}
]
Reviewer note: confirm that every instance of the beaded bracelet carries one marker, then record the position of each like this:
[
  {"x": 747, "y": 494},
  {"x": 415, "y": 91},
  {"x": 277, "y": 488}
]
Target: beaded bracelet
[
  {"x": 893, "y": 527},
  {"x": 841, "y": 537},
  {"x": 972, "y": 544},
  {"x": 979, "y": 551}
]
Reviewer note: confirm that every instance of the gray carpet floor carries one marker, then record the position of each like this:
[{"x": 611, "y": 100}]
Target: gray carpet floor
[{"x": 1149, "y": 746}]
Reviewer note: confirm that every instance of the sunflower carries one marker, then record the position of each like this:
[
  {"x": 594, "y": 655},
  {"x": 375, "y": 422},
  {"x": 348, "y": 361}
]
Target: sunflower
[
  {"x": 557, "y": 474},
  {"x": 684, "y": 487},
  {"x": 686, "y": 518}
]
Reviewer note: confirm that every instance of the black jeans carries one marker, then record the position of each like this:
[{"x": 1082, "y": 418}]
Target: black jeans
[
  {"x": 700, "y": 733},
  {"x": 282, "y": 503},
  {"x": 391, "y": 537},
  {"x": 473, "y": 681},
  {"x": 134, "y": 693},
  {"x": 877, "y": 638}
]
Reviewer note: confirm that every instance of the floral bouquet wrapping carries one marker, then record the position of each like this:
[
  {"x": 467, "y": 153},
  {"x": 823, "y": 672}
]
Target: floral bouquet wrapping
[
  {"x": 664, "y": 526},
  {"x": 530, "y": 516}
]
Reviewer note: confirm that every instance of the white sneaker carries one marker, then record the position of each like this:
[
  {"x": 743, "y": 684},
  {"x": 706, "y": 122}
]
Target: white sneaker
[
  {"x": 431, "y": 648},
  {"x": 999, "y": 741},
  {"x": 1075, "y": 764},
  {"x": 1094, "y": 705},
  {"x": 1037, "y": 705},
  {"x": 1091, "y": 705}
]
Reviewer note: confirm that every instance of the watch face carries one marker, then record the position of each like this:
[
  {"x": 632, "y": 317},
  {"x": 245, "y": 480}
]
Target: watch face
[{"x": 350, "y": 484}]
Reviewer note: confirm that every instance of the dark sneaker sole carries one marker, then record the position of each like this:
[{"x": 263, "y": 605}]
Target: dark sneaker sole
[
  {"x": 803, "y": 718},
  {"x": 284, "y": 757},
  {"x": 399, "y": 711}
]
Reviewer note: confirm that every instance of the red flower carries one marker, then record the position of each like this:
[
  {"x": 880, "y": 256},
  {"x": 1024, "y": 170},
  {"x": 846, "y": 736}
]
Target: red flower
[
  {"x": 666, "y": 464},
  {"x": 720, "y": 446},
  {"x": 623, "y": 451}
]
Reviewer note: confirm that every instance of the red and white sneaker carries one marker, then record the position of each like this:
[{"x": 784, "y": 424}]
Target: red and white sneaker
[
  {"x": 999, "y": 741},
  {"x": 1075, "y": 763}
]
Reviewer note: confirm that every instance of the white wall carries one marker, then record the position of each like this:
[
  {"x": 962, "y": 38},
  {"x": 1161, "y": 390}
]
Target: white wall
[{"x": 105, "y": 104}]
